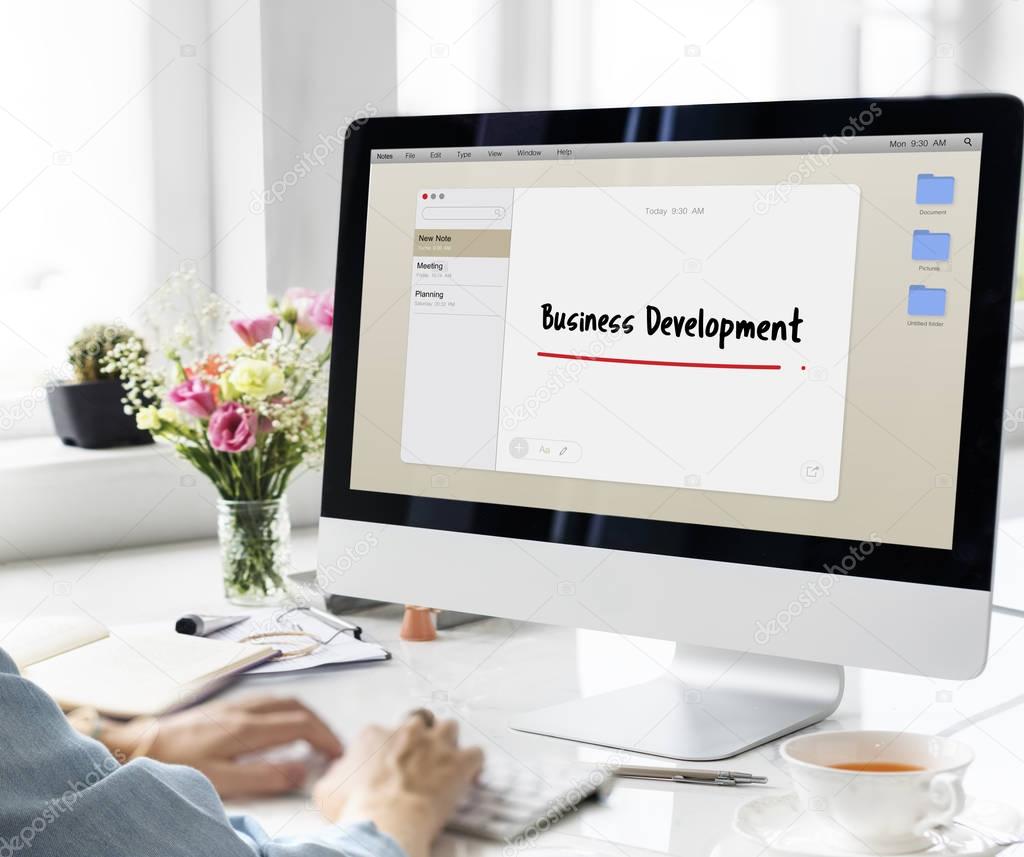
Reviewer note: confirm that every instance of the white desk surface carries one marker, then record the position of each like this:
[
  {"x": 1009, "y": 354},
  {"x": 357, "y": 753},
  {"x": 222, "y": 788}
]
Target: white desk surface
[{"x": 487, "y": 671}]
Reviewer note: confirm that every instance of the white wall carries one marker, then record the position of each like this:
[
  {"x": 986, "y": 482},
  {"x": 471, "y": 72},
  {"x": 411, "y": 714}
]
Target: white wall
[
  {"x": 178, "y": 101},
  {"x": 325, "y": 63},
  {"x": 234, "y": 130}
]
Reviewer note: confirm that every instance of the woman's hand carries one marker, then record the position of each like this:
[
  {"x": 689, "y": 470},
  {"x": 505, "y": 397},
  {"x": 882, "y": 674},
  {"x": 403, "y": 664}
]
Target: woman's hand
[
  {"x": 212, "y": 737},
  {"x": 407, "y": 780}
]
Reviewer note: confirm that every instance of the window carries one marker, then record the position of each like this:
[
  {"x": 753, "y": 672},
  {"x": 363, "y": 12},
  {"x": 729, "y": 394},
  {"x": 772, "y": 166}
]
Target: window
[
  {"x": 102, "y": 192},
  {"x": 77, "y": 187},
  {"x": 483, "y": 56}
]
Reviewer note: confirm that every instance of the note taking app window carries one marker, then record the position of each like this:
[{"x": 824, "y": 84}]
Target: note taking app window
[
  {"x": 690, "y": 337},
  {"x": 788, "y": 365}
]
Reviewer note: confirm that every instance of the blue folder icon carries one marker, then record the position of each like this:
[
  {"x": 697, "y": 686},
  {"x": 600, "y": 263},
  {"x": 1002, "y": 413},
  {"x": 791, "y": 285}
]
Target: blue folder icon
[
  {"x": 924, "y": 301},
  {"x": 931, "y": 246},
  {"x": 934, "y": 190}
]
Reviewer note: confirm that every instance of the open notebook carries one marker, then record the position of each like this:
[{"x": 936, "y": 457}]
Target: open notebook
[{"x": 126, "y": 671}]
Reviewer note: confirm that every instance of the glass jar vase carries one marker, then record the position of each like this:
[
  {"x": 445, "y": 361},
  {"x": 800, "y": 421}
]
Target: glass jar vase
[{"x": 255, "y": 549}]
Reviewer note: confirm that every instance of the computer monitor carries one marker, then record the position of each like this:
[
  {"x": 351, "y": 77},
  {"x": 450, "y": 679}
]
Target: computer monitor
[{"x": 729, "y": 375}]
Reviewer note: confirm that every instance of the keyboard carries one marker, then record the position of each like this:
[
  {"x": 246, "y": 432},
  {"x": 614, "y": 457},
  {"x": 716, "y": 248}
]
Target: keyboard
[{"x": 510, "y": 798}]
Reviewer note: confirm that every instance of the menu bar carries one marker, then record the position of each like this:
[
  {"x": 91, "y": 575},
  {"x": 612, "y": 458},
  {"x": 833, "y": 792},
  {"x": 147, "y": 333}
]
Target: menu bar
[{"x": 811, "y": 146}]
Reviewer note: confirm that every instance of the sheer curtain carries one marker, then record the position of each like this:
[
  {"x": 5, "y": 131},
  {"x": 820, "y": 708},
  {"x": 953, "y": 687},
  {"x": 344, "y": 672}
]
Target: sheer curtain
[
  {"x": 104, "y": 186},
  {"x": 538, "y": 54},
  {"x": 129, "y": 133},
  {"x": 76, "y": 190}
]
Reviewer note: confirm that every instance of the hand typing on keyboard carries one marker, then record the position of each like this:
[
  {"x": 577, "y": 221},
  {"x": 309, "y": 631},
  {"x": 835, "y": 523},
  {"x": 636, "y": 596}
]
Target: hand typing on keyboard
[
  {"x": 408, "y": 781},
  {"x": 513, "y": 799}
]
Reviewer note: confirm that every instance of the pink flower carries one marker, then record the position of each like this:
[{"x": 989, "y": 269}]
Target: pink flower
[
  {"x": 232, "y": 428},
  {"x": 301, "y": 300},
  {"x": 253, "y": 330},
  {"x": 195, "y": 397},
  {"x": 322, "y": 312}
]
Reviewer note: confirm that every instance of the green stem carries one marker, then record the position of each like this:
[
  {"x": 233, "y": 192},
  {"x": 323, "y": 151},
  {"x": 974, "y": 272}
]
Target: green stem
[{"x": 253, "y": 547}]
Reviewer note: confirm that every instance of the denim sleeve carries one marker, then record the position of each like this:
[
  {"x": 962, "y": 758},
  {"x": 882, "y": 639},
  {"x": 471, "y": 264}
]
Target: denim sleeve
[
  {"x": 360, "y": 839},
  {"x": 66, "y": 794}
]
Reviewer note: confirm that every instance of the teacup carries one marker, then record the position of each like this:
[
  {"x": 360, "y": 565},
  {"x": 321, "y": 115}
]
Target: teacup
[{"x": 891, "y": 790}]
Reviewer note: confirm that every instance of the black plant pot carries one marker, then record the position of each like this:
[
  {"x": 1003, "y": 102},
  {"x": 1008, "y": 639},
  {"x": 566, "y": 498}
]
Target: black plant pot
[{"x": 91, "y": 416}]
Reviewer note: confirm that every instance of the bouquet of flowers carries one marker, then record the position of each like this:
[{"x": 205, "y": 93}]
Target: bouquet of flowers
[{"x": 247, "y": 418}]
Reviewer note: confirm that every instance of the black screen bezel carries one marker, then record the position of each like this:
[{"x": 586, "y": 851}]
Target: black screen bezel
[{"x": 967, "y": 565}]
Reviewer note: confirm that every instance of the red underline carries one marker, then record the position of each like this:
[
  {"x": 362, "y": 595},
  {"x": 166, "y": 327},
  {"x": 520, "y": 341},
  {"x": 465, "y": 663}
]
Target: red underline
[{"x": 635, "y": 362}]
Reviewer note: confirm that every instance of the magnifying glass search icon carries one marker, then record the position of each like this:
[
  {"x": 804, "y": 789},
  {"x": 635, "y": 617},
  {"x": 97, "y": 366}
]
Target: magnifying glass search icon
[{"x": 967, "y": 142}]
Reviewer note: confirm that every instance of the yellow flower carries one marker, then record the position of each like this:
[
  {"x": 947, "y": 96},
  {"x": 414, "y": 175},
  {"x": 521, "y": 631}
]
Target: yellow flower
[
  {"x": 257, "y": 378},
  {"x": 167, "y": 414},
  {"x": 148, "y": 419}
]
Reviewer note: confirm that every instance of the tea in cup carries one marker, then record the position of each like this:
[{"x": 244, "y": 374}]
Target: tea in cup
[{"x": 884, "y": 792}]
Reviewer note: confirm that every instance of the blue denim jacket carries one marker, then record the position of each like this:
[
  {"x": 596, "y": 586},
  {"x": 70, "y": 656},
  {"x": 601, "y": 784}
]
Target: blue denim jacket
[{"x": 62, "y": 794}]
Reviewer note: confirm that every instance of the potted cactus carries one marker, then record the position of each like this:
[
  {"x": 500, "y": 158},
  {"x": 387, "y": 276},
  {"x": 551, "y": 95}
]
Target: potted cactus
[{"x": 88, "y": 412}]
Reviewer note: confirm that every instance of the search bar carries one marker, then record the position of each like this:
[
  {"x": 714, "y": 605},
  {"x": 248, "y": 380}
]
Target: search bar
[{"x": 463, "y": 212}]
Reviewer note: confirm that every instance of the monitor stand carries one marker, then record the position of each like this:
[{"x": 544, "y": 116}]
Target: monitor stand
[{"x": 710, "y": 704}]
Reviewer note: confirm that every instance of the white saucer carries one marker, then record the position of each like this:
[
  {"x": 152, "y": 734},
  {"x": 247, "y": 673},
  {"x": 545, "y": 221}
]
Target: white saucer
[{"x": 779, "y": 823}]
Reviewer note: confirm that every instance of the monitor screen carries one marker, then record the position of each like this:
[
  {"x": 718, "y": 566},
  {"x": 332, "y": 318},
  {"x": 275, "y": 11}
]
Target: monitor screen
[{"x": 765, "y": 334}]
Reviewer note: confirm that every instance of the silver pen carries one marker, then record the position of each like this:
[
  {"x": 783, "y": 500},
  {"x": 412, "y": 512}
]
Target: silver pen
[
  {"x": 688, "y": 775},
  {"x": 336, "y": 622}
]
